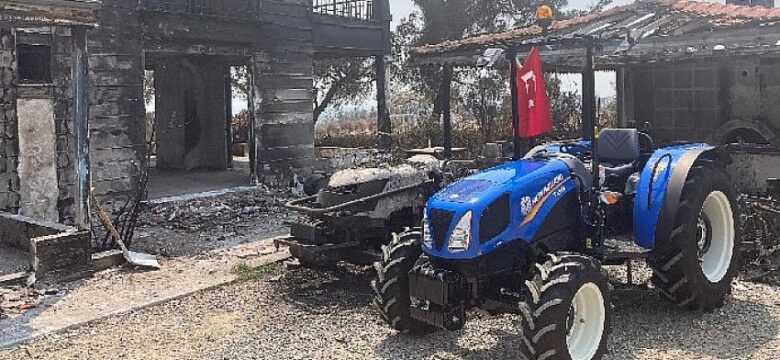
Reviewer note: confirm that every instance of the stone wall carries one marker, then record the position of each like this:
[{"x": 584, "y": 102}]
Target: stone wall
[
  {"x": 116, "y": 106},
  {"x": 57, "y": 252},
  {"x": 9, "y": 142}
]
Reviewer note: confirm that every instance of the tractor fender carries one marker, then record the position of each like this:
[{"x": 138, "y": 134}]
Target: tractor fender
[{"x": 660, "y": 189}]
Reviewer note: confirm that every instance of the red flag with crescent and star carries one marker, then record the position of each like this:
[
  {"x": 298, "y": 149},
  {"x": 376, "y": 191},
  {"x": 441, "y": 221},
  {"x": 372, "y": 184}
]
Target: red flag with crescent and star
[{"x": 534, "y": 106}]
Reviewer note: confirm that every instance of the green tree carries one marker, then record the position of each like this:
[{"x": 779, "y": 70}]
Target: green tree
[{"x": 340, "y": 81}]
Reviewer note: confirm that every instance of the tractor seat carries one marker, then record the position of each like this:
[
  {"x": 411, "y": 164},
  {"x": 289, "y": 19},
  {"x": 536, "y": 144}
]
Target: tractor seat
[{"x": 618, "y": 151}]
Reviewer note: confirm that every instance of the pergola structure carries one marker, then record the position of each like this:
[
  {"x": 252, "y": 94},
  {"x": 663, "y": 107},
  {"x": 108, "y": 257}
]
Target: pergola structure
[{"x": 694, "y": 70}]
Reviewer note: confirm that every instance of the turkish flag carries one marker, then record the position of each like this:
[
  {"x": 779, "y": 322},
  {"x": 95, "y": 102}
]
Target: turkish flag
[{"x": 534, "y": 106}]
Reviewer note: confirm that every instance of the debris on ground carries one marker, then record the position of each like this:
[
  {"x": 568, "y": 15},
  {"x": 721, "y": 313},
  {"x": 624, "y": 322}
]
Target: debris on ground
[
  {"x": 17, "y": 300},
  {"x": 760, "y": 218},
  {"x": 185, "y": 228}
]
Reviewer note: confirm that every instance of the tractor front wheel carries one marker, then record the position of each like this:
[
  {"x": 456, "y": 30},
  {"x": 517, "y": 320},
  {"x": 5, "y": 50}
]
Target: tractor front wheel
[
  {"x": 567, "y": 312},
  {"x": 695, "y": 265},
  {"x": 391, "y": 285}
]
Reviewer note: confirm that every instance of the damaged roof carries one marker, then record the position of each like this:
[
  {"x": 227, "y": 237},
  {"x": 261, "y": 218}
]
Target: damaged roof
[
  {"x": 48, "y": 12},
  {"x": 637, "y": 25}
]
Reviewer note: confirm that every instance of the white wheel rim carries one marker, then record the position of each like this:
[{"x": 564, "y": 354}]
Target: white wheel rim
[
  {"x": 587, "y": 326},
  {"x": 715, "y": 258}
]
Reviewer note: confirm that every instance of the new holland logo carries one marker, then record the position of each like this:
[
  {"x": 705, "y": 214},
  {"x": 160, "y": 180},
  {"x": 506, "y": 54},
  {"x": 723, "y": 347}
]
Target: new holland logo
[{"x": 527, "y": 204}]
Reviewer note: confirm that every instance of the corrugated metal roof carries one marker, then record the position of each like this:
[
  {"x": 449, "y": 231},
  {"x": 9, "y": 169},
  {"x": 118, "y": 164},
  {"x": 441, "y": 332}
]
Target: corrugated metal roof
[{"x": 644, "y": 19}]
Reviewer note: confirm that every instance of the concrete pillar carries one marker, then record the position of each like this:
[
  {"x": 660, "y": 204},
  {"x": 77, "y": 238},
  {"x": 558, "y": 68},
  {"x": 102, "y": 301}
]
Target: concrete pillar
[
  {"x": 282, "y": 103},
  {"x": 190, "y": 114}
]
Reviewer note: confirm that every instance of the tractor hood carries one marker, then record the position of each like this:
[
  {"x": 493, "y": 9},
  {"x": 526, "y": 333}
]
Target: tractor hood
[
  {"x": 504, "y": 203},
  {"x": 490, "y": 183}
]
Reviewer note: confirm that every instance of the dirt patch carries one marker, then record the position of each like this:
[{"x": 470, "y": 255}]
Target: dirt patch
[{"x": 186, "y": 228}]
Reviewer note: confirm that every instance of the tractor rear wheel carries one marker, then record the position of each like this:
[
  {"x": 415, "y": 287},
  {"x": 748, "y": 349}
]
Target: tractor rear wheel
[
  {"x": 391, "y": 285},
  {"x": 567, "y": 312},
  {"x": 695, "y": 265}
]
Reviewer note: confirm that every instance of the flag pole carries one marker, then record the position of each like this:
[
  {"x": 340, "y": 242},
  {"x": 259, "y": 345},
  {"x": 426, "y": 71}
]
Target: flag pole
[{"x": 516, "y": 142}]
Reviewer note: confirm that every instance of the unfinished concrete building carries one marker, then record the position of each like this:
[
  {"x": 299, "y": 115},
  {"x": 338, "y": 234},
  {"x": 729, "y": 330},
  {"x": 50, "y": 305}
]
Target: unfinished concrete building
[{"x": 691, "y": 71}]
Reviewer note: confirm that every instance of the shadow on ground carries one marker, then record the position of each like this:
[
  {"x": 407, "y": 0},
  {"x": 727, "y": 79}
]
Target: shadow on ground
[{"x": 315, "y": 290}]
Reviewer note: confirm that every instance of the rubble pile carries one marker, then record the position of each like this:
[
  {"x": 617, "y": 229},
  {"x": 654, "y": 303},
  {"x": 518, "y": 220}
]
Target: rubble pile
[
  {"x": 225, "y": 213},
  {"x": 191, "y": 226},
  {"x": 761, "y": 238}
]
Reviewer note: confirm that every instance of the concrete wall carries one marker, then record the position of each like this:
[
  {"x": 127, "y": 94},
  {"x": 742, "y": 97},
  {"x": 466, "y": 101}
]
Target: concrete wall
[
  {"x": 38, "y": 159},
  {"x": 706, "y": 100},
  {"x": 9, "y": 143}
]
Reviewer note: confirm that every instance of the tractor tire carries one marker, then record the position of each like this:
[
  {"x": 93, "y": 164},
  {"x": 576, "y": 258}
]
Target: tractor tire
[
  {"x": 566, "y": 312},
  {"x": 391, "y": 286},
  {"x": 695, "y": 265}
]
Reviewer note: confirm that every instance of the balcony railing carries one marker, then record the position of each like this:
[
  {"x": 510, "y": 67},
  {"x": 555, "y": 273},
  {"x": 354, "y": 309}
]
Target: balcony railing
[
  {"x": 226, "y": 9},
  {"x": 356, "y": 9}
]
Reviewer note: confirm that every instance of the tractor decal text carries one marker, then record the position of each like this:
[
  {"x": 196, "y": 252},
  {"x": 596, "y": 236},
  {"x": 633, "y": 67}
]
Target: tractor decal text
[{"x": 530, "y": 206}]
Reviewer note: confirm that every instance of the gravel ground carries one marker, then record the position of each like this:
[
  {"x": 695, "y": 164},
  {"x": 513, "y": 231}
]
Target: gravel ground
[{"x": 302, "y": 314}]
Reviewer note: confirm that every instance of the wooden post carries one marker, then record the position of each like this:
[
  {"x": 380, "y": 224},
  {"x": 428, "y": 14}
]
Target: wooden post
[
  {"x": 446, "y": 89},
  {"x": 384, "y": 125},
  {"x": 81, "y": 128},
  {"x": 516, "y": 141},
  {"x": 589, "y": 95},
  {"x": 229, "y": 116}
]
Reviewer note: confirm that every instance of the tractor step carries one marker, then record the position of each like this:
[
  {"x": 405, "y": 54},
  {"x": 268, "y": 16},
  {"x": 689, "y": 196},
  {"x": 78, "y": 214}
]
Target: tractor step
[{"x": 619, "y": 249}]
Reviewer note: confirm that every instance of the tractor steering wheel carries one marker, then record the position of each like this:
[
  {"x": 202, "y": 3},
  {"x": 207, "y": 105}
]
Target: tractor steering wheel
[{"x": 574, "y": 148}]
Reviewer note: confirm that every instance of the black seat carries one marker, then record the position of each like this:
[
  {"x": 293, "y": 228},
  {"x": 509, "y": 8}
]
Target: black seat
[{"x": 618, "y": 150}]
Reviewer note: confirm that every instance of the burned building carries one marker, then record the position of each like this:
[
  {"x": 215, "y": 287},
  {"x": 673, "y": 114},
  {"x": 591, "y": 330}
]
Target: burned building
[
  {"x": 690, "y": 71},
  {"x": 73, "y": 121},
  {"x": 44, "y": 153},
  {"x": 190, "y": 46}
]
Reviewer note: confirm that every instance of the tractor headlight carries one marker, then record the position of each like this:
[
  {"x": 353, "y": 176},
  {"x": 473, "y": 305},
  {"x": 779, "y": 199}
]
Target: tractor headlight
[
  {"x": 461, "y": 234},
  {"x": 427, "y": 237}
]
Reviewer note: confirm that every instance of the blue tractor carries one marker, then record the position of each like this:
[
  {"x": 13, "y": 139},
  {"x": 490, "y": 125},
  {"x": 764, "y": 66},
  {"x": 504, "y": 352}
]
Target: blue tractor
[{"x": 530, "y": 237}]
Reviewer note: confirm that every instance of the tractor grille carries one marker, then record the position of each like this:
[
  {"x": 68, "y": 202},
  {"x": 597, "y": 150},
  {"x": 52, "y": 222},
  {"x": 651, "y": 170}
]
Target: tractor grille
[
  {"x": 494, "y": 219},
  {"x": 440, "y": 223}
]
